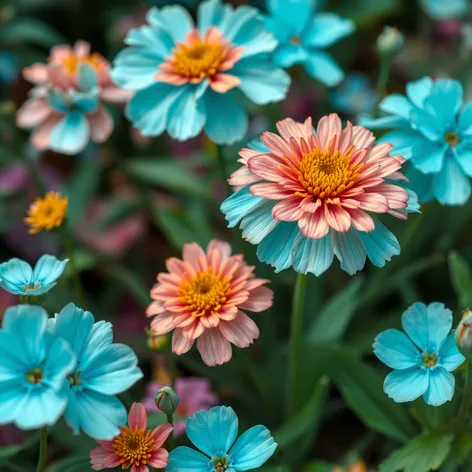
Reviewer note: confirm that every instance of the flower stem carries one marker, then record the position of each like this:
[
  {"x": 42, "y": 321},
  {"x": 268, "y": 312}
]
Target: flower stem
[
  {"x": 383, "y": 76},
  {"x": 463, "y": 418},
  {"x": 79, "y": 292},
  {"x": 296, "y": 340},
  {"x": 170, "y": 439},
  {"x": 43, "y": 449},
  {"x": 222, "y": 167}
]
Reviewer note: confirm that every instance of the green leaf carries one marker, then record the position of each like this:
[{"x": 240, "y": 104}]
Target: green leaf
[
  {"x": 365, "y": 11},
  {"x": 71, "y": 464},
  {"x": 422, "y": 454},
  {"x": 331, "y": 323},
  {"x": 317, "y": 466},
  {"x": 168, "y": 174},
  {"x": 28, "y": 30},
  {"x": 461, "y": 278},
  {"x": 6, "y": 452},
  {"x": 130, "y": 281}
]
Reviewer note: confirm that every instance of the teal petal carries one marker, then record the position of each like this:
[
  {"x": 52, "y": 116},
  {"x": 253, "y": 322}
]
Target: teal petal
[
  {"x": 441, "y": 387},
  {"x": 287, "y": 55},
  {"x": 240, "y": 204},
  {"x": 407, "y": 385},
  {"x": 327, "y": 29},
  {"x": 87, "y": 77},
  {"x": 257, "y": 224},
  {"x": 451, "y": 186},
  {"x": 322, "y": 67},
  {"x": 449, "y": 356},
  {"x": 177, "y": 20},
  {"x": 427, "y": 125},
  {"x": 463, "y": 155},
  {"x": 213, "y": 13},
  {"x": 380, "y": 245},
  {"x": 465, "y": 120},
  {"x": 350, "y": 250},
  {"x": 396, "y": 104},
  {"x": 184, "y": 459},
  {"x": 60, "y": 363},
  {"x": 312, "y": 255},
  {"x": 71, "y": 134},
  {"x": 14, "y": 275},
  {"x": 395, "y": 350},
  {"x": 48, "y": 269},
  {"x": 422, "y": 184},
  {"x": 383, "y": 122},
  {"x": 294, "y": 13},
  {"x": 445, "y": 102},
  {"x": 418, "y": 90}
]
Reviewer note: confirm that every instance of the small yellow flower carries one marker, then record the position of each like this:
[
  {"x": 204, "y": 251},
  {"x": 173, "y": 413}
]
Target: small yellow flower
[{"x": 47, "y": 213}]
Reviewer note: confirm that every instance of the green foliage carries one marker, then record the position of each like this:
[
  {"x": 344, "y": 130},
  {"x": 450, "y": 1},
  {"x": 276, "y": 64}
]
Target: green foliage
[
  {"x": 71, "y": 464},
  {"x": 461, "y": 278}
]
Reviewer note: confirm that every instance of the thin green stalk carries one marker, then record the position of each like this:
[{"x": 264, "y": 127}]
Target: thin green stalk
[
  {"x": 383, "y": 76},
  {"x": 222, "y": 167},
  {"x": 463, "y": 417},
  {"x": 170, "y": 439},
  {"x": 171, "y": 365},
  {"x": 79, "y": 292},
  {"x": 43, "y": 449},
  {"x": 296, "y": 341}
]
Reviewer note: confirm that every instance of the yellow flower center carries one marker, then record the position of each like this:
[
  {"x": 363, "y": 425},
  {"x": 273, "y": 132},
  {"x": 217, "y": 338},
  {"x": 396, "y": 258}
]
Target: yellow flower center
[
  {"x": 429, "y": 360},
  {"x": 295, "y": 40},
  {"x": 326, "y": 175},
  {"x": 452, "y": 139},
  {"x": 72, "y": 62},
  {"x": 47, "y": 213},
  {"x": 35, "y": 376},
  {"x": 29, "y": 287},
  {"x": 204, "y": 293},
  {"x": 133, "y": 446}
]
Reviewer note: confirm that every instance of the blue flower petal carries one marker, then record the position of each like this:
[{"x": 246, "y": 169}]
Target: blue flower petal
[
  {"x": 87, "y": 77},
  {"x": 463, "y": 154},
  {"x": 212, "y": 13},
  {"x": 213, "y": 431},
  {"x": 281, "y": 31},
  {"x": 403, "y": 141},
  {"x": 422, "y": 184},
  {"x": 227, "y": 121},
  {"x": 350, "y": 250},
  {"x": 418, "y": 90},
  {"x": 407, "y": 385},
  {"x": 427, "y": 326},
  {"x": 428, "y": 125},
  {"x": 60, "y": 362},
  {"x": 178, "y": 21},
  {"x": 71, "y": 134},
  {"x": 397, "y": 105},
  {"x": 184, "y": 459},
  {"x": 257, "y": 224},
  {"x": 56, "y": 99},
  {"x": 321, "y": 66},
  {"x": 240, "y": 204},
  {"x": 14, "y": 275},
  {"x": 48, "y": 269},
  {"x": 294, "y": 13},
  {"x": 395, "y": 350},
  {"x": 286, "y": 55},
  {"x": 449, "y": 356},
  {"x": 14, "y": 363},
  {"x": 451, "y": 186},
  {"x": 380, "y": 245},
  {"x": 445, "y": 102},
  {"x": 383, "y": 122},
  {"x": 252, "y": 449},
  {"x": 12, "y": 402},
  {"x": 312, "y": 255},
  {"x": 428, "y": 156},
  {"x": 326, "y": 29},
  {"x": 100, "y": 337},
  {"x": 465, "y": 120},
  {"x": 86, "y": 102},
  {"x": 441, "y": 387}
]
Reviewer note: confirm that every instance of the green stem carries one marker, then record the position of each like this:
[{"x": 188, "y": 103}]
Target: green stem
[
  {"x": 383, "y": 76},
  {"x": 172, "y": 368},
  {"x": 170, "y": 439},
  {"x": 463, "y": 418},
  {"x": 296, "y": 340},
  {"x": 43, "y": 449},
  {"x": 79, "y": 292},
  {"x": 222, "y": 167}
]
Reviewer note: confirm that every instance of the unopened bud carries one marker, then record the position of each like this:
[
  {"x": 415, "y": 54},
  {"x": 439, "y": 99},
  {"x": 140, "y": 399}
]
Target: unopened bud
[
  {"x": 155, "y": 342},
  {"x": 167, "y": 400},
  {"x": 389, "y": 42},
  {"x": 463, "y": 334}
]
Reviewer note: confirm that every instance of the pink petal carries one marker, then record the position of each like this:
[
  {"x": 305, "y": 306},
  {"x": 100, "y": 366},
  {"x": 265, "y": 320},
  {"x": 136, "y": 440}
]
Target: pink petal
[
  {"x": 289, "y": 128},
  {"x": 139, "y": 468},
  {"x": 378, "y": 152},
  {"x": 60, "y": 77},
  {"x": 210, "y": 321},
  {"x": 33, "y": 112},
  {"x": 159, "y": 459},
  {"x": 170, "y": 78},
  {"x": 163, "y": 323},
  {"x": 362, "y": 137},
  {"x": 222, "y": 83},
  {"x": 107, "y": 445},
  {"x": 328, "y": 127},
  {"x": 40, "y": 136},
  {"x": 288, "y": 210},
  {"x": 176, "y": 266},
  {"x": 181, "y": 320},
  {"x": 275, "y": 144},
  {"x": 362, "y": 221},
  {"x": 161, "y": 433},
  {"x": 345, "y": 139},
  {"x": 397, "y": 196},
  {"x": 214, "y": 348},
  {"x": 242, "y": 177},
  {"x": 194, "y": 330},
  {"x": 60, "y": 52},
  {"x": 373, "y": 202},
  {"x": 82, "y": 49},
  {"x": 314, "y": 225},
  {"x": 101, "y": 125},
  {"x": 222, "y": 246},
  {"x": 180, "y": 344},
  {"x": 137, "y": 416},
  {"x": 101, "y": 459},
  {"x": 114, "y": 94},
  {"x": 266, "y": 166},
  {"x": 271, "y": 191},
  {"x": 255, "y": 283},
  {"x": 36, "y": 74},
  {"x": 191, "y": 253},
  {"x": 241, "y": 331},
  {"x": 154, "y": 308},
  {"x": 338, "y": 218},
  {"x": 260, "y": 299}
]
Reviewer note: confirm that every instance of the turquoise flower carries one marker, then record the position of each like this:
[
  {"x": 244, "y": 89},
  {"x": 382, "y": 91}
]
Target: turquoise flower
[
  {"x": 103, "y": 370},
  {"x": 303, "y": 36},
  {"x": 423, "y": 360},
  {"x": 33, "y": 369},
  {"x": 214, "y": 432},
  {"x": 434, "y": 131},
  {"x": 186, "y": 76},
  {"x": 17, "y": 276},
  {"x": 445, "y": 9}
]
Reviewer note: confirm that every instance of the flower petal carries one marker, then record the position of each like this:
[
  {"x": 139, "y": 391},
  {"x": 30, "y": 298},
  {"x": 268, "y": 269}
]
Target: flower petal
[
  {"x": 137, "y": 416},
  {"x": 407, "y": 385},
  {"x": 450, "y": 357},
  {"x": 184, "y": 459},
  {"x": 441, "y": 387},
  {"x": 242, "y": 331},
  {"x": 396, "y": 350},
  {"x": 214, "y": 348}
]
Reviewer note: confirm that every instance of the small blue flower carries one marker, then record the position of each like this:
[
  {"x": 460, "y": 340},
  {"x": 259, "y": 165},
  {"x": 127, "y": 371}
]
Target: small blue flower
[
  {"x": 18, "y": 278},
  {"x": 355, "y": 95},
  {"x": 303, "y": 35},
  {"x": 33, "y": 370},
  {"x": 9, "y": 68},
  {"x": 445, "y": 9},
  {"x": 214, "y": 432},
  {"x": 434, "y": 131},
  {"x": 103, "y": 370},
  {"x": 423, "y": 360}
]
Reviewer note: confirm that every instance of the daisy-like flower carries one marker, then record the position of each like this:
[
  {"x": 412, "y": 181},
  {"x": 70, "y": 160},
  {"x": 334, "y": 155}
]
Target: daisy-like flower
[
  {"x": 33, "y": 370},
  {"x": 423, "y": 360},
  {"x": 48, "y": 213},
  {"x": 103, "y": 370},
  {"x": 65, "y": 106},
  {"x": 19, "y": 278},
  {"x": 434, "y": 131},
  {"x": 135, "y": 447},
  {"x": 186, "y": 75},
  {"x": 303, "y": 36},
  {"x": 214, "y": 432},
  {"x": 307, "y": 197},
  {"x": 202, "y": 298}
]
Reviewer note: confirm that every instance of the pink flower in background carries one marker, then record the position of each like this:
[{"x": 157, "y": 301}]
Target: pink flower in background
[
  {"x": 194, "y": 394},
  {"x": 202, "y": 298}
]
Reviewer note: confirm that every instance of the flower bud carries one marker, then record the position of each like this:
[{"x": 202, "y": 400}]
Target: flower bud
[
  {"x": 167, "y": 400},
  {"x": 389, "y": 42},
  {"x": 156, "y": 342},
  {"x": 463, "y": 334}
]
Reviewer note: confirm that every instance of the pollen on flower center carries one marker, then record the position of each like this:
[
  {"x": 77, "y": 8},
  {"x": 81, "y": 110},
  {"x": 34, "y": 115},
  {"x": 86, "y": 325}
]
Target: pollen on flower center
[
  {"x": 204, "y": 293},
  {"x": 429, "y": 360},
  {"x": 35, "y": 376},
  {"x": 47, "y": 213},
  {"x": 134, "y": 446},
  {"x": 220, "y": 464},
  {"x": 451, "y": 138},
  {"x": 72, "y": 62},
  {"x": 29, "y": 287}
]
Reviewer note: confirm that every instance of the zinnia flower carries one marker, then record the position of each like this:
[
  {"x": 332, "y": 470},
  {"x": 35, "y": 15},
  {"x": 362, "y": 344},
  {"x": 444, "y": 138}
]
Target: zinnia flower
[
  {"x": 66, "y": 103},
  {"x": 445, "y": 9},
  {"x": 135, "y": 446},
  {"x": 48, "y": 213},
  {"x": 434, "y": 131},
  {"x": 103, "y": 370},
  {"x": 423, "y": 360},
  {"x": 194, "y": 394},
  {"x": 309, "y": 196},
  {"x": 33, "y": 370},
  {"x": 303, "y": 35},
  {"x": 202, "y": 299},
  {"x": 19, "y": 278},
  {"x": 186, "y": 76},
  {"x": 214, "y": 432}
]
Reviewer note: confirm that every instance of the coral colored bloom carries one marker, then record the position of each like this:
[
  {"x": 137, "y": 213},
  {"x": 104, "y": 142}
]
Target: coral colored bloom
[
  {"x": 47, "y": 213},
  {"x": 310, "y": 196},
  {"x": 135, "y": 447},
  {"x": 194, "y": 394},
  {"x": 186, "y": 76},
  {"x": 202, "y": 298}
]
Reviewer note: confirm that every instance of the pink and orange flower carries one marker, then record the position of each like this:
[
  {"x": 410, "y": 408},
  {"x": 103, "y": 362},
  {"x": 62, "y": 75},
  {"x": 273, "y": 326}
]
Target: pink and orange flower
[{"x": 202, "y": 298}]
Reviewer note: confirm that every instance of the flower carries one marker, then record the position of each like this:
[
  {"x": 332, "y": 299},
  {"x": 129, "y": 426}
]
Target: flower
[
  {"x": 214, "y": 432},
  {"x": 33, "y": 383},
  {"x": 307, "y": 196},
  {"x": 423, "y": 360},
  {"x": 186, "y": 77},
  {"x": 47, "y": 213},
  {"x": 355, "y": 95},
  {"x": 135, "y": 446},
  {"x": 463, "y": 334},
  {"x": 103, "y": 370},
  {"x": 19, "y": 278},
  {"x": 202, "y": 298},
  {"x": 434, "y": 131},
  {"x": 389, "y": 42},
  {"x": 445, "y": 9},
  {"x": 303, "y": 35},
  {"x": 194, "y": 394},
  {"x": 65, "y": 106}
]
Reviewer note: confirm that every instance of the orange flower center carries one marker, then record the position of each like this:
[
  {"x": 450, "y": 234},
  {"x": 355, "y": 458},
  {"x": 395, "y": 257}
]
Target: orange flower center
[
  {"x": 133, "y": 446},
  {"x": 429, "y": 360},
  {"x": 72, "y": 62},
  {"x": 204, "y": 293},
  {"x": 326, "y": 175},
  {"x": 47, "y": 213},
  {"x": 28, "y": 287},
  {"x": 35, "y": 376}
]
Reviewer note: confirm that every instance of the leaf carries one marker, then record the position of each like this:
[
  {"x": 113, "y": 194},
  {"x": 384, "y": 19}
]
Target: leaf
[
  {"x": 130, "y": 281},
  {"x": 422, "y": 454},
  {"x": 28, "y": 30},
  {"x": 334, "y": 318},
  {"x": 6, "y": 452},
  {"x": 461, "y": 278},
  {"x": 71, "y": 464},
  {"x": 365, "y": 11},
  {"x": 317, "y": 466}
]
